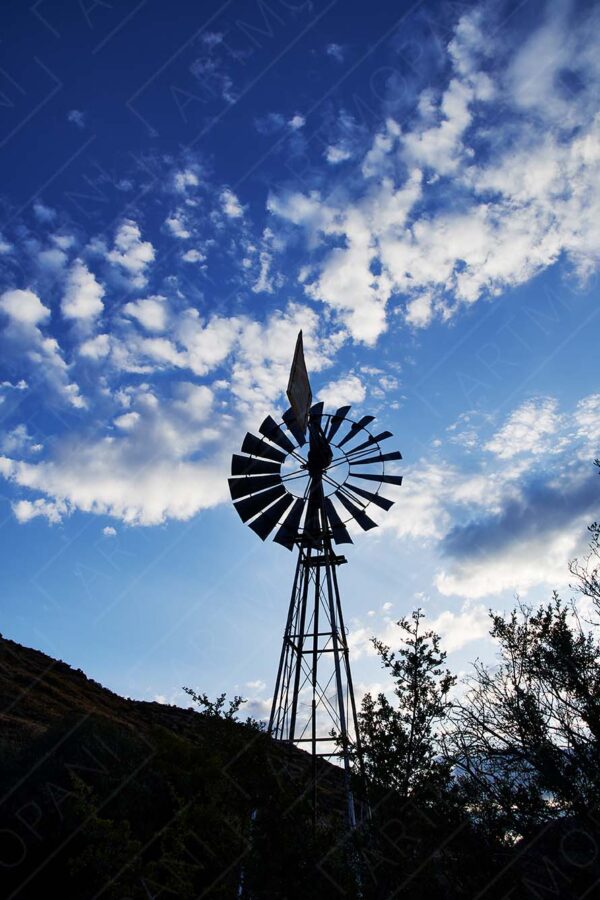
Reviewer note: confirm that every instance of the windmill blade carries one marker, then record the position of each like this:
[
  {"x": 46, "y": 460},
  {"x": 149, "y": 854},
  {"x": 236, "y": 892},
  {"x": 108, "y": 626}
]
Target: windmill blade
[
  {"x": 290, "y": 420},
  {"x": 257, "y": 502},
  {"x": 251, "y": 484},
  {"x": 288, "y": 533},
  {"x": 259, "y": 447},
  {"x": 358, "y": 426},
  {"x": 374, "y": 439},
  {"x": 383, "y": 457},
  {"x": 385, "y": 479},
  {"x": 316, "y": 412},
  {"x": 245, "y": 465},
  {"x": 338, "y": 529},
  {"x": 273, "y": 432},
  {"x": 377, "y": 499},
  {"x": 360, "y": 515},
  {"x": 336, "y": 421},
  {"x": 264, "y": 524}
]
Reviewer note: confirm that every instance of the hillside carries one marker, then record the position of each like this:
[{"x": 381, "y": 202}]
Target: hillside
[
  {"x": 109, "y": 797},
  {"x": 37, "y": 691}
]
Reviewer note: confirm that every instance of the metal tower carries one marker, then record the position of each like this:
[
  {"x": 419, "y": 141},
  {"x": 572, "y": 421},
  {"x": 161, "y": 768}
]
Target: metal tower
[{"x": 286, "y": 482}]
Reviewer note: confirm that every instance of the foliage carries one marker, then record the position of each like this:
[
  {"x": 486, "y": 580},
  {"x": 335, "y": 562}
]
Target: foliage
[
  {"x": 526, "y": 737},
  {"x": 216, "y": 708},
  {"x": 399, "y": 739}
]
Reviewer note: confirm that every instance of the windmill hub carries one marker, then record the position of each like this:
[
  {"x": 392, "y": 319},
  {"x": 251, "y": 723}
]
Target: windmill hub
[{"x": 320, "y": 454}]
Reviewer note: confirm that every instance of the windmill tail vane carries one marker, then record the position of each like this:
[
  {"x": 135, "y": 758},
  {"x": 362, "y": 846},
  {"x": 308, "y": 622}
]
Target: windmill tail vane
[{"x": 304, "y": 480}]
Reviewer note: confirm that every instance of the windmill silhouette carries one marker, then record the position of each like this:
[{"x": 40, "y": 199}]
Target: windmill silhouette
[{"x": 306, "y": 491}]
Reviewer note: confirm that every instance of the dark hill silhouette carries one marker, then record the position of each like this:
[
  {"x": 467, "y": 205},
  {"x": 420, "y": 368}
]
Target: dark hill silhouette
[
  {"x": 37, "y": 692},
  {"x": 102, "y": 796}
]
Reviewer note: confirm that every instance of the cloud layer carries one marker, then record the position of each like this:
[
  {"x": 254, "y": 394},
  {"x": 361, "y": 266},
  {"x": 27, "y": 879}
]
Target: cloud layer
[
  {"x": 513, "y": 512},
  {"x": 495, "y": 178}
]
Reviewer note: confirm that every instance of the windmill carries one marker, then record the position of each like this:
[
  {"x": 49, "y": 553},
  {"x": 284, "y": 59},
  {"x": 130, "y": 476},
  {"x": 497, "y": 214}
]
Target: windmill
[{"x": 304, "y": 480}]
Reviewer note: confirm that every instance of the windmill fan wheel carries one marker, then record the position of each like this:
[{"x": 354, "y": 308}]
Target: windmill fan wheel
[{"x": 274, "y": 476}]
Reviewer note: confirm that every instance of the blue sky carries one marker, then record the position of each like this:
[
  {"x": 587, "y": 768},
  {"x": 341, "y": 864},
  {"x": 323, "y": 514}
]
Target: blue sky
[{"x": 416, "y": 188}]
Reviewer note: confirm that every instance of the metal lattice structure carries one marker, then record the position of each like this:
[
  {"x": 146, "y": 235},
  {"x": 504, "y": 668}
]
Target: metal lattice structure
[{"x": 306, "y": 491}]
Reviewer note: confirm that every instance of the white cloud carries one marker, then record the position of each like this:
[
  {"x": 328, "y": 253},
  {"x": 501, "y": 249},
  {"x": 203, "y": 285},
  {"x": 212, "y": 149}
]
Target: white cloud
[
  {"x": 420, "y": 311},
  {"x": 207, "y": 343},
  {"x": 24, "y": 307},
  {"x": 96, "y": 348},
  {"x": 347, "y": 390},
  {"x": 347, "y": 281},
  {"x": 457, "y": 630},
  {"x": 193, "y": 256},
  {"x": 513, "y": 523},
  {"x": 587, "y": 422},
  {"x": 19, "y": 440},
  {"x": 336, "y": 154},
  {"x": 83, "y": 295},
  {"x": 142, "y": 476},
  {"x": 527, "y": 430},
  {"x": 176, "y": 225},
  {"x": 109, "y": 531},
  {"x": 504, "y": 216},
  {"x": 420, "y": 512},
  {"x": 260, "y": 370},
  {"x": 297, "y": 122},
  {"x": 127, "y": 421},
  {"x": 26, "y": 313},
  {"x": 131, "y": 253},
  {"x": 184, "y": 179},
  {"x": 151, "y": 312},
  {"x": 231, "y": 205},
  {"x": 522, "y": 566},
  {"x": 26, "y": 510}
]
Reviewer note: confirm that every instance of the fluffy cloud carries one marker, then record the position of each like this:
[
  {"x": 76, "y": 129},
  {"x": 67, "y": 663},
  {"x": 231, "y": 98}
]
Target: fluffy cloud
[
  {"x": 231, "y": 205},
  {"x": 349, "y": 390},
  {"x": 24, "y": 338},
  {"x": 184, "y": 179},
  {"x": 26, "y": 510},
  {"x": 527, "y": 430},
  {"x": 19, "y": 440},
  {"x": 336, "y": 154},
  {"x": 131, "y": 253},
  {"x": 83, "y": 295},
  {"x": 96, "y": 348},
  {"x": 24, "y": 307},
  {"x": 143, "y": 475},
  {"x": 193, "y": 256},
  {"x": 151, "y": 312},
  {"x": 176, "y": 225}
]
